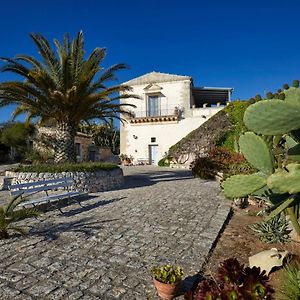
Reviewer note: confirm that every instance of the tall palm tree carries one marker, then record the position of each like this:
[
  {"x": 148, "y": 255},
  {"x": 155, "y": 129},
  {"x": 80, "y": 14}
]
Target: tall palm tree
[{"x": 63, "y": 86}]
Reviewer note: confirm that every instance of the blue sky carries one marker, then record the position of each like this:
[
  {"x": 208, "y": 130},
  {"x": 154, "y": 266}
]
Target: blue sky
[{"x": 252, "y": 46}]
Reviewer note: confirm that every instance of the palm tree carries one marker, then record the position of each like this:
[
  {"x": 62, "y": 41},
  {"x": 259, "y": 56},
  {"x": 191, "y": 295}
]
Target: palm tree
[
  {"x": 64, "y": 86},
  {"x": 8, "y": 216}
]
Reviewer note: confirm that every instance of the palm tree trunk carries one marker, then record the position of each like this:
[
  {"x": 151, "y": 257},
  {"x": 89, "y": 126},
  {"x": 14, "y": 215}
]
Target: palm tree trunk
[{"x": 64, "y": 143}]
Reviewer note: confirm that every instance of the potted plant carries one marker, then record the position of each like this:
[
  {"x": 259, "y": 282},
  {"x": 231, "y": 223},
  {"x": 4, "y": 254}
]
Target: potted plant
[{"x": 167, "y": 280}]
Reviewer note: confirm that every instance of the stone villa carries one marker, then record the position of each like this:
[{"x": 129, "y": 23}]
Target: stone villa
[{"x": 169, "y": 108}]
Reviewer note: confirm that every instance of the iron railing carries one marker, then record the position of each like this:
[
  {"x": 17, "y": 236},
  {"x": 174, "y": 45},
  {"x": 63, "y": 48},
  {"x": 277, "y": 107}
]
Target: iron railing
[{"x": 157, "y": 113}]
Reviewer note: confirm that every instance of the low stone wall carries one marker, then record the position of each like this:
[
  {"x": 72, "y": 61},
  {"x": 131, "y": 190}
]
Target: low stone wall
[{"x": 91, "y": 182}]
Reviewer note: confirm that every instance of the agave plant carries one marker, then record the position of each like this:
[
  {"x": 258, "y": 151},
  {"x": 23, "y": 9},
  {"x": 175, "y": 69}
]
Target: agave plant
[
  {"x": 275, "y": 230},
  {"x": 9, "y": 216},
  {"x": 64, "y": 86}
]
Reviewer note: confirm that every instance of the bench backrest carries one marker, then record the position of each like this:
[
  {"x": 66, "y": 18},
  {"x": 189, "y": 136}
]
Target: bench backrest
[{"x": 39, "y": 186}]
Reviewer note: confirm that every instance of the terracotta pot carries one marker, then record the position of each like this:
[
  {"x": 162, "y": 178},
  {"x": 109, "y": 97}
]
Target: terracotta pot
[{"x": 166, "y": 291}]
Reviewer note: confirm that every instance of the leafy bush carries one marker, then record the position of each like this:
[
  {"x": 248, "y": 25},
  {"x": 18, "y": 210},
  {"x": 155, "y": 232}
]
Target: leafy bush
[
  {"x": 269, "y": 95},
  {"x": 235, "y": 282},
  {"x": 290, "y": 279},
  {"x": 286, "y": 86},
  {"x": 38, "y": 157},
  {"x": 204, "y": 168},
  {"x": 296, "y": 83},
  {"x": 16, "y": 135},
  {"x": 164, "y": 162},
  {"x": 236, "y": 111},
  {"x": 273, "y": 231},
  {"x": 167, "y": 274},
  {"x": 9, "y": 216},
  {"x": 221, "y": 159},
  {"x": 66, "y": 167}
]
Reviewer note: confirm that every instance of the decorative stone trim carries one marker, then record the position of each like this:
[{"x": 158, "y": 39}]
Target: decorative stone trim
[
  {"x": 154, "y": 119},
  {"x": 91, "y": 182}
]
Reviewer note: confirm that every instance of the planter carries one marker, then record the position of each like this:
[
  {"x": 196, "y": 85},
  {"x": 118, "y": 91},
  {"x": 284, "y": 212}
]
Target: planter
[{"x": 166, "y": 291}]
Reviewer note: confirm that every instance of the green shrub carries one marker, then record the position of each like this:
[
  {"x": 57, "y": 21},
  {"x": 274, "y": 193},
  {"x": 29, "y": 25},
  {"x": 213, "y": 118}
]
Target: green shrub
[
  {"x": 258, "y": 97},
  {"x": 164, "y": 162},
  {"x": 221, "y": 159},
  {"x": 236, "y": 111},
  {"x": 296, "y": 83},
  {"x": 66, "y": 167},
  {"x": 36, "y": 157},
  {"x": 269, "y": 95},
  {"x": 286, "y": 86},
  {"x": 273, "y": 231},
  {"x": 290, "y": 282},
  {"x": 9, "y": 215},
  {"x": 204, "y": 168}
]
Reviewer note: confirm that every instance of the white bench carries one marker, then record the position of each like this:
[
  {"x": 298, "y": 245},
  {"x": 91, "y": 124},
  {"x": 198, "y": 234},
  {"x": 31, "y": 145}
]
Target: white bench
[{"x": 54, "y": 189}]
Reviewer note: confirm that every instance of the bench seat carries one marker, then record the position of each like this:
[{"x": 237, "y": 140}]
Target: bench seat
[{"x": 32, "y": 191}]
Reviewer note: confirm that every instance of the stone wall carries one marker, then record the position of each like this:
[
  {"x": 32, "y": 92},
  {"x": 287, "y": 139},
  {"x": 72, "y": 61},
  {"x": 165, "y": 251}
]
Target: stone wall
[{"x": 91, "y": 182}]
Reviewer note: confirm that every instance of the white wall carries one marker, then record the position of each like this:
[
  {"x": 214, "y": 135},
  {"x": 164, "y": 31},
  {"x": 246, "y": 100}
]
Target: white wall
[
  {"x": 175, "y": 93},
  {"x": 166, "y": 134}
]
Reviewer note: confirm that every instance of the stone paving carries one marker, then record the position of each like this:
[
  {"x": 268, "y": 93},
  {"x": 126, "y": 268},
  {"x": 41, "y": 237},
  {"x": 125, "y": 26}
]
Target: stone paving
[{"x": 104, "y": 250}]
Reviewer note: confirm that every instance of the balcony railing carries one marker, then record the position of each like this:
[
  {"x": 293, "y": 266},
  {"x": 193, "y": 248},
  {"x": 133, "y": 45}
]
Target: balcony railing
[
  {"x": 161, "y": 115},
  {"x": 158, "y": 113}
]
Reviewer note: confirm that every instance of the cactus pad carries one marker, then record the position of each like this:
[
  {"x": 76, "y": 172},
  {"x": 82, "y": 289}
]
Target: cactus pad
[
  {"x": 290, "y": 141},
  {"x": 286, "y": 181},
  {"x": 256, "y": 151},
  {"x": 243, "y": 185},
  {"x": 272, "y": 117},
  {"x": 292, "y": 95}
]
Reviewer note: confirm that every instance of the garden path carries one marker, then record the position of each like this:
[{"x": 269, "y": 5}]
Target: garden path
[{"x": 105, "y": 249}]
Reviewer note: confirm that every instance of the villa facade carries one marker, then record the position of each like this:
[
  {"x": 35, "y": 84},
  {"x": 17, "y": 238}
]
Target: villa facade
[{"x": 169, "y": 108}]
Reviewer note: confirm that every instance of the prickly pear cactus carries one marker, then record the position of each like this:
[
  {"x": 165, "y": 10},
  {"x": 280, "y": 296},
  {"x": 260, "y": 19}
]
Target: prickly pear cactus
[
  {"x": 243, "y": 185},
  {"x": 292, "y": 96},
  {"x": 272, "y": 117},
  {"x": 286, "y": 181},
  {"x": 257, "y": 152}
]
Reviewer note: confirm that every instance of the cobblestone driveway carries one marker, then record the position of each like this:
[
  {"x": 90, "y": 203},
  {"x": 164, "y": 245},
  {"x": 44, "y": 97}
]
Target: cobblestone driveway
[{"x": 105, "y": 249}]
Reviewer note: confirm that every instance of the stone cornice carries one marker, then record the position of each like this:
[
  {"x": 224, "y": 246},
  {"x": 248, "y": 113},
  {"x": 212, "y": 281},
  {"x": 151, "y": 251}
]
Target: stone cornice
[{"x": 155, "y": 77}]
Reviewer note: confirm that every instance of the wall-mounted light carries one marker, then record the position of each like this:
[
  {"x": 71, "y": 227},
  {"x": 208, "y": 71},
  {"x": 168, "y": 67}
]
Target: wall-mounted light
[{"x": 135, "y": 137}]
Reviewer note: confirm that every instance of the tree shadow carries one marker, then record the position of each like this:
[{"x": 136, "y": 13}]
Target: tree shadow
[
  {"x": 84, "y": 226},
  {"x": 189, "y": 284},
  {"x": 154, "y": 177},
  {"x": 89, "y": 207}
]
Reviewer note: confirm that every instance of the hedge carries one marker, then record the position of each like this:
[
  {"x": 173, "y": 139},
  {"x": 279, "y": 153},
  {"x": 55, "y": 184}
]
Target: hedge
[{"x": 66, "y": 167}]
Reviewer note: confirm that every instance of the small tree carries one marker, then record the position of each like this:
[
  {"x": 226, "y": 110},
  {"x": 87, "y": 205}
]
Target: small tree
[
  {"x": 15, "y": 136},
  {"x": 105, "y": 135}
]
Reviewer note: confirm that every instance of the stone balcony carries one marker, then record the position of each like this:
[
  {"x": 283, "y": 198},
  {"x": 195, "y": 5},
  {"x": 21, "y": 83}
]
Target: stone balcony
[{"x": 162, "y": 115}]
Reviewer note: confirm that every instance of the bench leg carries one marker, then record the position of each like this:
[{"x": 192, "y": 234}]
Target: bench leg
[{"x": 78, "y": 201}]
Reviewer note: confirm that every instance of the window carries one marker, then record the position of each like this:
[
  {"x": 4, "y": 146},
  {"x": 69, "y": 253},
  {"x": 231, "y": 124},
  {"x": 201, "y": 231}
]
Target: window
[
  {"x": 153, "y": 106},
  {"x": 153, "y": 140}
]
